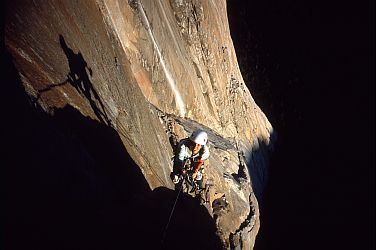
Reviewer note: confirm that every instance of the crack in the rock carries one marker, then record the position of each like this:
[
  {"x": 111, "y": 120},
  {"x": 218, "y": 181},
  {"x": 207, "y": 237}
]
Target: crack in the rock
[{"x": 236, "y": 238}]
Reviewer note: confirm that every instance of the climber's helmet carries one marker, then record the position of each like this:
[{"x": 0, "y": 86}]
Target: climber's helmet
[{"x": 199, "y": 137}]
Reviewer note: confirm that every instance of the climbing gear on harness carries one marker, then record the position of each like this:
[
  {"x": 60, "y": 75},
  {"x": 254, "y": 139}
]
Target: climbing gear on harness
[
  {"x": 189, "y": 178},
  {"x": 194, "y": 175},
  {"x": 194, "y": 187},
  {"x": 176, "y": 179}
]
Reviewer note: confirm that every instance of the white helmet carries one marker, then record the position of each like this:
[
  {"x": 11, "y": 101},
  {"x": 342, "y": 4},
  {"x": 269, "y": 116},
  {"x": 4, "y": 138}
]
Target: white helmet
[{"x": 199, "y": 136}]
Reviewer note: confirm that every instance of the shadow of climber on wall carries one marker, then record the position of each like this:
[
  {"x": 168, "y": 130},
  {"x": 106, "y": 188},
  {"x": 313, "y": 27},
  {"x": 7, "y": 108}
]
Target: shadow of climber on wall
[{"x": 79, "y": 78}]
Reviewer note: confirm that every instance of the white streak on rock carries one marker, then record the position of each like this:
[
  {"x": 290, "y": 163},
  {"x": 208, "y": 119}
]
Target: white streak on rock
[
  {"x": 179, "y": 101},
  {"x": 24, "y": 55},
  {"x": 170, "y": 28}
]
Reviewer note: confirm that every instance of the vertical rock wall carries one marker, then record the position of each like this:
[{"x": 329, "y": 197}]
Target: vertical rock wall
[{"x": 131, "y": 64}]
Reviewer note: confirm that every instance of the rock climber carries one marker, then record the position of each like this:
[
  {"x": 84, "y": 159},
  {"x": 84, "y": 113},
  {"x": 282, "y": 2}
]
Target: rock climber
[{"x": 191, "y": 153}]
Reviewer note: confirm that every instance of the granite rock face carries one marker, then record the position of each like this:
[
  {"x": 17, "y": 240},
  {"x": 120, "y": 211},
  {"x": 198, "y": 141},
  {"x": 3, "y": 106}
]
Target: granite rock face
[{"x": 153, "y": 71}]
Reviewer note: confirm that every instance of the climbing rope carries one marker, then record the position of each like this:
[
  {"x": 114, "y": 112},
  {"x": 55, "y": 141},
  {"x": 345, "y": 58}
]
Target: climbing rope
[{"x": 171, "y": 213}]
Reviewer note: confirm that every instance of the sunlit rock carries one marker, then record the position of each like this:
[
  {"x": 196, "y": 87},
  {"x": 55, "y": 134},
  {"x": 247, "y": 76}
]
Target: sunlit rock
[{"x": 153, "y": 71}]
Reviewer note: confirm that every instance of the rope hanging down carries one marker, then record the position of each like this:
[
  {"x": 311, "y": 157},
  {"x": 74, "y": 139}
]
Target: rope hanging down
[{"x": 171, "y": 213}]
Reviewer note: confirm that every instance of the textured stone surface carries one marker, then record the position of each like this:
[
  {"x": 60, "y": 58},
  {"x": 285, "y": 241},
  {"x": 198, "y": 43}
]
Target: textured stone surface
[{"x": 153, "y": 71}]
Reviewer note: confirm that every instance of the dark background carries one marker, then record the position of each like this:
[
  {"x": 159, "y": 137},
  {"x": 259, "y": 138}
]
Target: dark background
[{"x": 310, "y": 67}]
